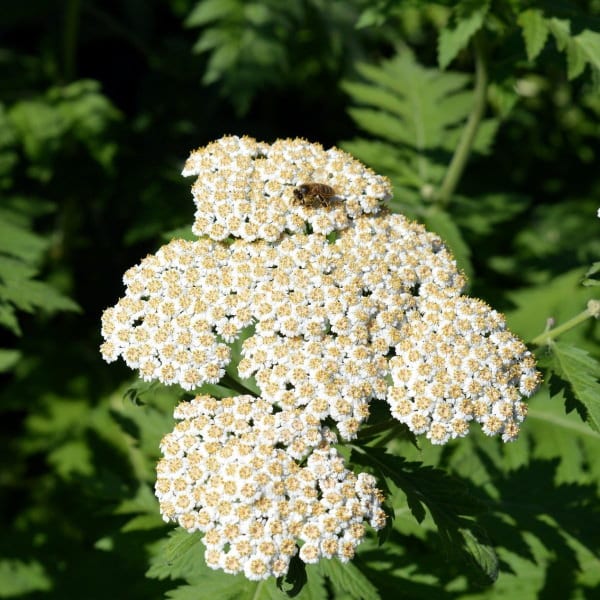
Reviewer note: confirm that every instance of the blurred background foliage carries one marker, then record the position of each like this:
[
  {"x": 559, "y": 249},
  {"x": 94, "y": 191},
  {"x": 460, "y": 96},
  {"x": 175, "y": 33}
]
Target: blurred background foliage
[{"x": 100, "y": 103}]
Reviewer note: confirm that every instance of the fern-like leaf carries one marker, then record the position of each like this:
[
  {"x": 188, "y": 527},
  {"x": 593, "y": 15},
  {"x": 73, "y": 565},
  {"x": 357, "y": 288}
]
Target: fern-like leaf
[
  {"x": 448, "y": 501},
  {"x": 20, "y": 252},
  {"x": 419, "y": 112}
]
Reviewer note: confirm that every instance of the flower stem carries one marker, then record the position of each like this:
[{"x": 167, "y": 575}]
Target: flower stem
[
  {"x": 592, "y": 310},
  {"x": 461, "y": 154},
  {"x": 71, "y": 30}
]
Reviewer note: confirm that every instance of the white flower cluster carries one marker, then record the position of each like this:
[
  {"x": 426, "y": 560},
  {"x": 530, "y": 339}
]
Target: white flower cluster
[
  {"x": 339, "y": 304},
  {"x": 325, "y": 314},
  {"x": 224, "y": 473},
  {"x": 174, "y": 309},
  {"x": 458, "y": 363},
  {"x": 245, "y": 188}
]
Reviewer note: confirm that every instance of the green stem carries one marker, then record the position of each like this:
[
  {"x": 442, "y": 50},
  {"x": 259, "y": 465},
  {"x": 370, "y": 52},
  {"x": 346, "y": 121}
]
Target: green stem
[
  {"x": 463, "y": 150},
  {"x": 70, "y": 39},
  {"x": 592, "y": 310}
]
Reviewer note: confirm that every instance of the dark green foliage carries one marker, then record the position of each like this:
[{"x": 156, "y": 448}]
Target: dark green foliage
[
  {"x": 574, "y": 372},
  {"x": 451, "y": 506},
  {"x": 484, "y": 114}
]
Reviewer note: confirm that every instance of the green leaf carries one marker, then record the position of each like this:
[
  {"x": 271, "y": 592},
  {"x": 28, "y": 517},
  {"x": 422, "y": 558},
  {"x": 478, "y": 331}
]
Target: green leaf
[
  {"x": 578, "y": 375},
  {"x": 222, "y": 59},
  {"x": 89, "y": 116},
  {"x": 372, "y": 16},
  {"x": 467, "y": 19},
  {"x": 8, "y": 154},
  {"x": 381, "y": 125},
  {"x": 502, "y": 96},
  {"x": 210, "y": 10},
  {"x": 181, "y": 233},
  {"x": 349, "y": 579},
  {"x": 419, "y": 105},
  {"x": 385, "y": 158},
  {"x": 482, "y": 214},
  {"x": 588, "y": 279},
  {"x": 76, "y": 111},
  {"x": 13, "y": 269},
  {"x": 417, "y": 115},
  {"x": 210, "y": 39},
  {"x": 589, "y": 42},
  {"x": 481, "y": 552},
  {"x": 28, "y": 295},
  {"x": 447, "y": 499},
  {"x": 208, "y": 583},
  {"x": 581, "y": 50},
  {"x": 19, "y": 242},
  {"x": 70, "y": 458},
  {"x": 227, "y": 587},
  {"x": 8, "y": 359},
  {"x": 146, "y": 419},
  {"x": 233, "y": 379},
  {"x": 485, "y": 136},
  {"x": 8, "y": 318},
  {"x": 143, "y": 523},
  {"x": 441, "y": 222},
  {"x": 549, "y": 434},
  {"x": 39, "y": 126},
  {"x": 20, "y": 252},
  {"x": 542, "y": 501},
  {"x": 145, "y": 504},
  {"x": 535, "y": 31},
  {"x": 180, "y": 555},
  {"x": 249, "y": 46},
  {"x": 558, "y": 299},
  {"x": 144, "y": 501},
  {"x": 18, "y": 578},
  {"x": 314, "y": 588},
  {"x": 295, "y": 579}
]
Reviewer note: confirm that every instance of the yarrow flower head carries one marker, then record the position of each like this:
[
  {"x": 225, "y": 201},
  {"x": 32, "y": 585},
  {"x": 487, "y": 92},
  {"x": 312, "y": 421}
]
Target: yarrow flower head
[
  {"x": 223, "y": 473},
  {"x": 336, "y": 303},
  {"x": 458, "y": 363},
  {"x": 245, "y": 188}
]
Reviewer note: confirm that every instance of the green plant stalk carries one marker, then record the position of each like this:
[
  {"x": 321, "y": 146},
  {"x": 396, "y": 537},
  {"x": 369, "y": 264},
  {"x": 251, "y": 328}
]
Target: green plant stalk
[
  {"x": 463, "y": 150},
  {"x": 71, "y": 31},
  {"x": 545, "y": 338}
]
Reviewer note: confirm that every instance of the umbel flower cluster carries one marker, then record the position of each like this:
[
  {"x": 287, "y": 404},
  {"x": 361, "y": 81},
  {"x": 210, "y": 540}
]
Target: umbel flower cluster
[
  {"x": 225, "y": 473},
  {"x": 339, "y": 303}
]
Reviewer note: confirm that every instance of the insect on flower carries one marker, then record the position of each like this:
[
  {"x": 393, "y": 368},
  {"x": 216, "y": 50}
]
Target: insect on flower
[{"x": 314, "y": 194}]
